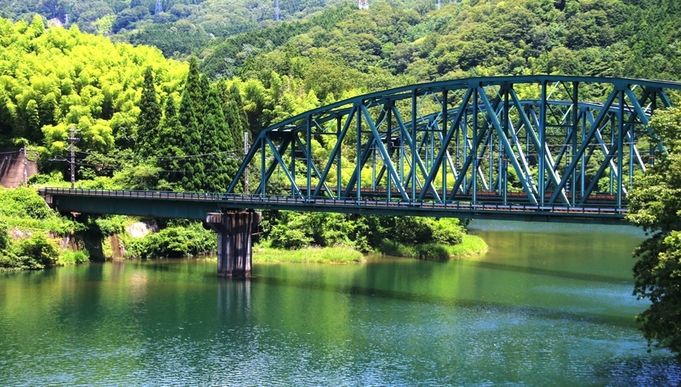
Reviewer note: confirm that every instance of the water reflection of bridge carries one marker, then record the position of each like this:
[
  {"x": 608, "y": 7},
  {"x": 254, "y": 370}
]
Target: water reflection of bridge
[{"x": 547, "y": 148}]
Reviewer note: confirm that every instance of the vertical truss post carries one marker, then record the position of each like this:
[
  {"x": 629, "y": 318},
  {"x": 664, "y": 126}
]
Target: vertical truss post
[
  {"x": 541, "y": 152},
  {"x": 464, "y": 147},
  {"x": 474, "y": 149},
  {"x": 263, "y": 172},
  {"x": 620, "y": 148},
  {"x": 403, "y": 177},
  {"x": 575, "y": 130},
  {"x": 503, "y": 162},
  {"x": 613, "y": 142},
  {"x": 308, "y": 145},
  {"x": 293, "y": 162},
  {"x": 582, "y": 161},
  {"x": 444, "y": 129},
  {"x": 389, "y": 145},
  {"x": 413, "y": 145},
  {"x": 358, "y": 171},
  {"x": 339, "y": 188}
]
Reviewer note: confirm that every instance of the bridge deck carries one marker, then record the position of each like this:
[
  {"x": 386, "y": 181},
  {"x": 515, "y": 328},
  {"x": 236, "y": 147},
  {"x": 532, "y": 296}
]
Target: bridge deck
[{"x": 196, "y": 205}]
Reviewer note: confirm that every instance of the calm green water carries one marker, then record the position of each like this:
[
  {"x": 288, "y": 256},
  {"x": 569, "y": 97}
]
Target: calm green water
[{"x": 548, "y": 306}]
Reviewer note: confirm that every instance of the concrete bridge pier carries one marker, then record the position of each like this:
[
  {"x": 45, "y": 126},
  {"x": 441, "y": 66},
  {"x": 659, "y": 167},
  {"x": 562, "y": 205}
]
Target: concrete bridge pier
[{"x": 235, "y": 230}]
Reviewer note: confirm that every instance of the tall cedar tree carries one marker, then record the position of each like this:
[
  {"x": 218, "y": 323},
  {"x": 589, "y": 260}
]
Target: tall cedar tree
[
  {"x": 219, "y": 145},
  {"x": 236, "y": 118},
  {"x": 191, "y": 166},
  {"x": 170, "y": 144},
  {"x": 149, "y": 117},
  {"x": 196, "y": 87}
]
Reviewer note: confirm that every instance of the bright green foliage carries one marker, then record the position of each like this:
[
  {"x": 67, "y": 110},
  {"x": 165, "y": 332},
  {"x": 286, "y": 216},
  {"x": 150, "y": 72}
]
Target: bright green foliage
[
  {"x": 23, "y": 202},
  {"x": 339, "y": 254},
  {"x": 174, "y": 242},
  {"x": 290, "y": 230},
  {"x": 37, "y": 251},
  {"x": 53, "y": 79},
  {"x": 655, "y": 205}
]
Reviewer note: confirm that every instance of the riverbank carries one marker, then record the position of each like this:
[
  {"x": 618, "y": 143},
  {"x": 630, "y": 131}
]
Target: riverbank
[
  {"x": 470, "y": 246},
  {"x": 32, "y": 236},
  {"x": 330, "y": 255}
]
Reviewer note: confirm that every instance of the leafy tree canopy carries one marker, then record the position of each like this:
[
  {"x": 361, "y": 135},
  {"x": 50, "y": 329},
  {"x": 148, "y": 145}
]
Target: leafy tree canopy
[{"x": 655, "y": 205}]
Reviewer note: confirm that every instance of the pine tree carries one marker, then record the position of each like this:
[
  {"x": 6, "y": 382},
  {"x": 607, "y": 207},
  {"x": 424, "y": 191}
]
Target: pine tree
[{"x": 149, "y": 117}]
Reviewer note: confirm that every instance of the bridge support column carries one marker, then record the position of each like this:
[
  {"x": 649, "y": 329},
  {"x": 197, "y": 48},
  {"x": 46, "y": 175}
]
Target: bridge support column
[{"x": 234, "y": 231}]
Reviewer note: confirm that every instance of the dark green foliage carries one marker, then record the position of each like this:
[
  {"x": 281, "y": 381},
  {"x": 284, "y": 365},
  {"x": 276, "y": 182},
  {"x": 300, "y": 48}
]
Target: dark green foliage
[
  {"x": 655, "y": 205},
  {"x": 149, "y": 117},
  {"x": 235, "y": 116},
  {"x": 5, "y": 240},
  {"x": 169, "y": 150},
  {"x": 188, "y": 142},
  {"x": 231, "y": 54},
  {"x": 190, "y": 165},
  {"x": 218, "y": 143},
  {"x": 178, "y": 38}
]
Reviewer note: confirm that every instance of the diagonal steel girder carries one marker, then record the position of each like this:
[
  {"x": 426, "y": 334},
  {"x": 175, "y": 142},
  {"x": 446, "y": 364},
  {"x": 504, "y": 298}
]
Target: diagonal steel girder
[{"x": 496, "y": 128}]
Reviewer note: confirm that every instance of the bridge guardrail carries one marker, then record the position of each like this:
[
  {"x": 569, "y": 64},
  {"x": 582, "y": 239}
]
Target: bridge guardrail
[{"x": 232, "y": 200}]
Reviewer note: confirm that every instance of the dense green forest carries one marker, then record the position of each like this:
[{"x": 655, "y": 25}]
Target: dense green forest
[{"x": 147, "y": 122}]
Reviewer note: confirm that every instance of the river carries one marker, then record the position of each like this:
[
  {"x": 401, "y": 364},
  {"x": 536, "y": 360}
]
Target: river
[{"x": 547, "y": 305}]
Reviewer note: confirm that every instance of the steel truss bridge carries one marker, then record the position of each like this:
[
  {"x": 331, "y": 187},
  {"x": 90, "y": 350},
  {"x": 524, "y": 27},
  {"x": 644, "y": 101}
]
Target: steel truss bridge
[{"x": 529, "y": 147}]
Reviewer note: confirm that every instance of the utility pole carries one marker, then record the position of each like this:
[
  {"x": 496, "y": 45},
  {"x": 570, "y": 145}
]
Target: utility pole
[
  {"x": 246, "y": 148},
  {"x": 276, "y": 10},
  {"x": 72, "y": 140}
]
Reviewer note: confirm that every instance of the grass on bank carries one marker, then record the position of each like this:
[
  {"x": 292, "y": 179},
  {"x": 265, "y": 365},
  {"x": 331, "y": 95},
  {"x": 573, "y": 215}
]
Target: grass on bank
[
  {"x": 337, "y": 255},
  {"x": 470, "y": 246}
]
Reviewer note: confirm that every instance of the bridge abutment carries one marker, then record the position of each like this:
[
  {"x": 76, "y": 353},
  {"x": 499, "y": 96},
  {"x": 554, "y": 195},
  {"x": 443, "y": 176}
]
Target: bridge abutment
[{"x": 235, "y": 230}]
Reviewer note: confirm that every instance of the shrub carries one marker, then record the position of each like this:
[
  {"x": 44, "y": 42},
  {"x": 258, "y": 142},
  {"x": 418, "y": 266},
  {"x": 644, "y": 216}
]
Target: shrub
[
  {"x": 23, "y": 202},
  {"x": 70, "y": 257},
  {"x": 173, "y": 242},
  {"x": 37, "y": 251}
]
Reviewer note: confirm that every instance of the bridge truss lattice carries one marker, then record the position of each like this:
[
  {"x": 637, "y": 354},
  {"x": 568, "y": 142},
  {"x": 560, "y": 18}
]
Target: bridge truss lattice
[{"x": 531, "y": 140}]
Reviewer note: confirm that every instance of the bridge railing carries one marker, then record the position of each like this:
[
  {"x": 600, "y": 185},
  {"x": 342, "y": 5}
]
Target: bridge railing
[{"x": 395, "y": 207}]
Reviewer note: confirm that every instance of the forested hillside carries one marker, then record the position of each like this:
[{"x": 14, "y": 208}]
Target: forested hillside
[
  {"x": 142, "y": 121},
  {"x": 390, "y": 45},
  {"x": 133, "y": 110},
  {"x": 177, "y": 27}
]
